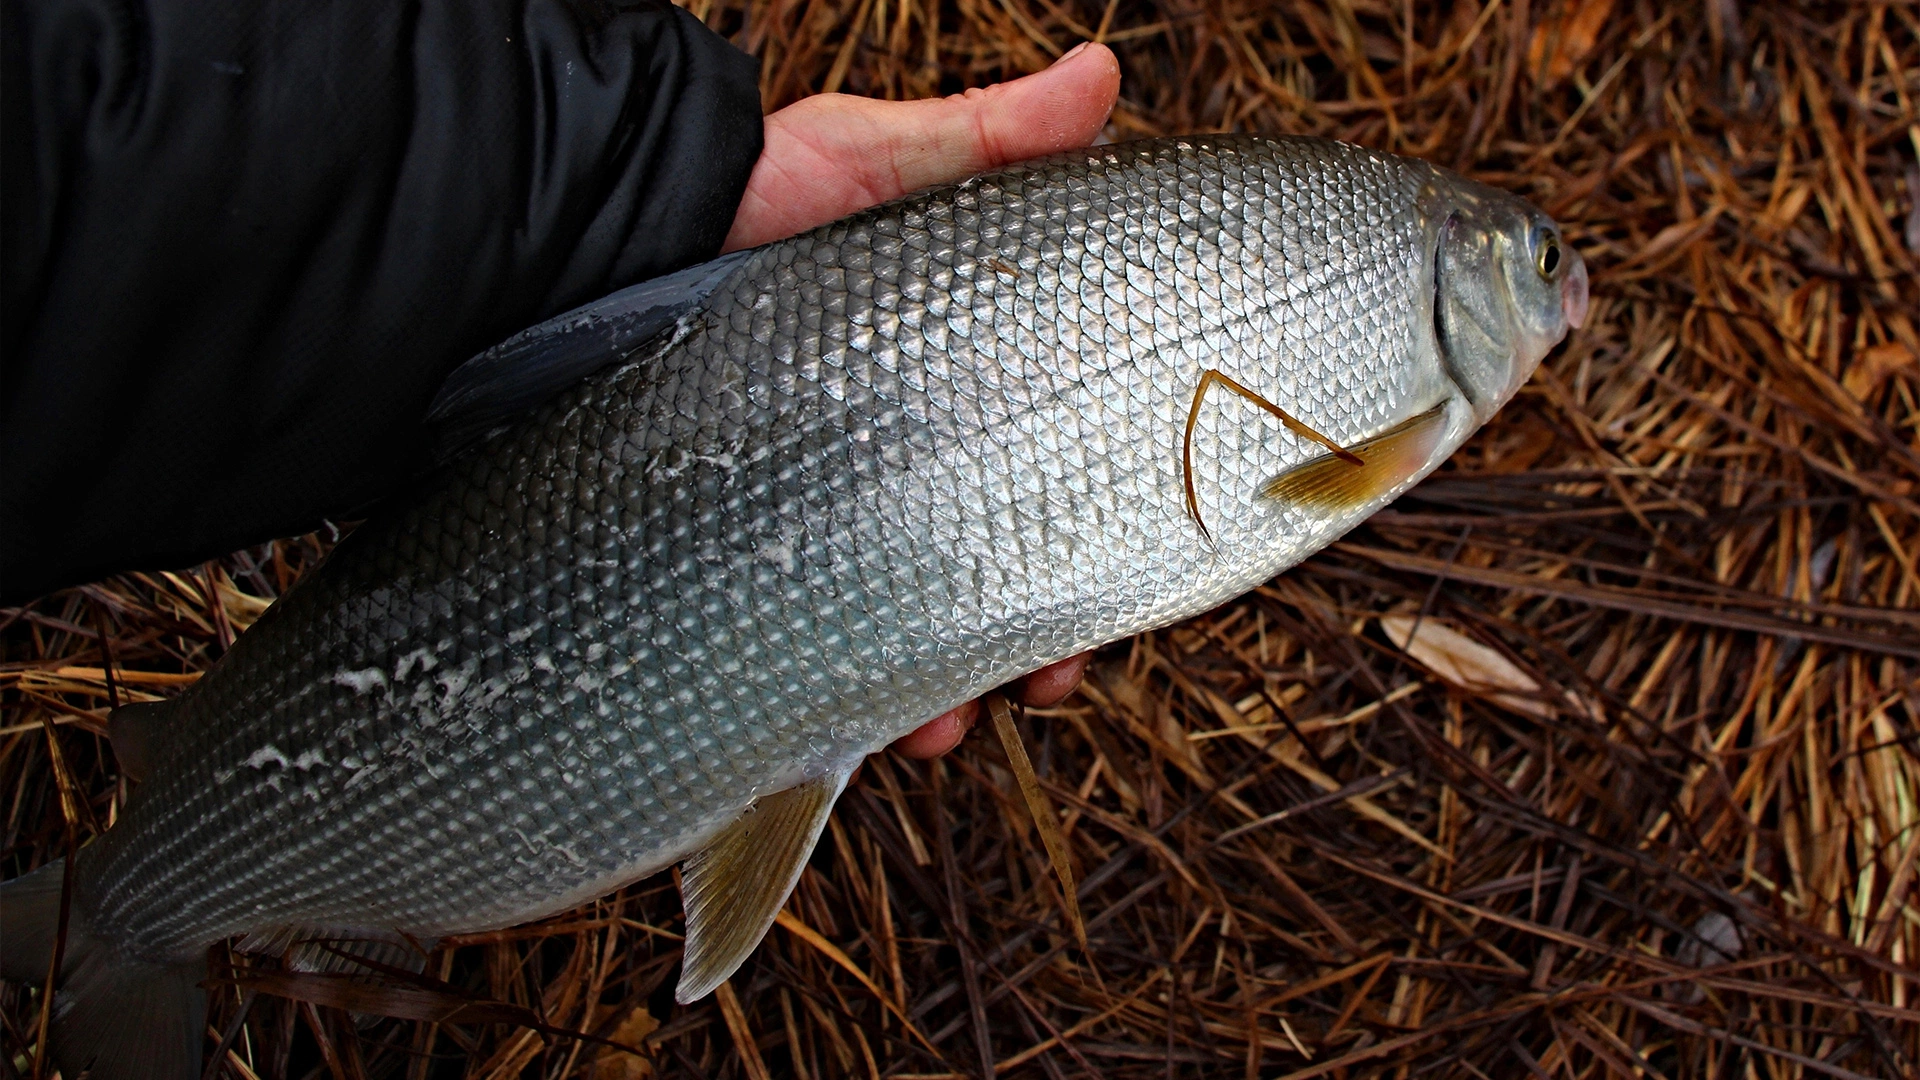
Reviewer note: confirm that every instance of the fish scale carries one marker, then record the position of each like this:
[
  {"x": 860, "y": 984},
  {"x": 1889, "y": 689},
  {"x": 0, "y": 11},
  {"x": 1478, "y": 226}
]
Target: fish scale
[{"x": 876, "y": 470}]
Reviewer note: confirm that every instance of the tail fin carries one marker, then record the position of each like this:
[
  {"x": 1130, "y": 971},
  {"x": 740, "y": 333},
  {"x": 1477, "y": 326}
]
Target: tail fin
[{"x": 115, "y": 1017}]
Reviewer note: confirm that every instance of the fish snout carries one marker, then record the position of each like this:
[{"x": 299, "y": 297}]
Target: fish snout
[{"x": 1573, "y": 291}]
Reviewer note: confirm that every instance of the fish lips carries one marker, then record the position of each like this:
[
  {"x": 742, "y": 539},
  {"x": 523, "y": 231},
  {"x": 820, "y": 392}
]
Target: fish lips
[{"x": 1573, "y": 292}]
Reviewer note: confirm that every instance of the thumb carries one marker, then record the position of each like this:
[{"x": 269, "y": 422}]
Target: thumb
[
  {"x": 1065, "y": 106},
  {"x": 829, "y": 155}
]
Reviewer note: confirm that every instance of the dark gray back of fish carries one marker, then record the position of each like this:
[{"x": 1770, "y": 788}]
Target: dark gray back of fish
[{"x": 886, "y": 465}]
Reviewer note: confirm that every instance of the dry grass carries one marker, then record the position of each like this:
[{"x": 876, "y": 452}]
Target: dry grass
[{"x": 1337, "y": 828}]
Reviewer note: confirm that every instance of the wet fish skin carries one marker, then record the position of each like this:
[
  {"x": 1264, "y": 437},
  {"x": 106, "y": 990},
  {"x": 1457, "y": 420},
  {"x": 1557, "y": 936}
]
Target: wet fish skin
[{"x": 882, "y": 468}]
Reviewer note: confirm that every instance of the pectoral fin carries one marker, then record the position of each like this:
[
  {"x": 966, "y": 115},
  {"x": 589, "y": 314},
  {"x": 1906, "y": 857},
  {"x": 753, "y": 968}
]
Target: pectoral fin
[
  {"x": 331, "y": 949},
  {"x": 735, "y": 887},
  {"x": 1331, "y": 483}
]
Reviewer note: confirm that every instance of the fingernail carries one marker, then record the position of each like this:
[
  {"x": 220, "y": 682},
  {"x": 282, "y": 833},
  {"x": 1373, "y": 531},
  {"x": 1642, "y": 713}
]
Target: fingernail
[{"x": 1071, "y": 53}]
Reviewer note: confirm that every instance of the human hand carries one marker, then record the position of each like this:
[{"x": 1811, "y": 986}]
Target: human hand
[
  {"x": 832, "y": 154},
  {"x": 1048, "y": 686}
]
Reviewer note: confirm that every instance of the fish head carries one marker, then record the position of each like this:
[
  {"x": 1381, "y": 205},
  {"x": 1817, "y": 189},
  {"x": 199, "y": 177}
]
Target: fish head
[{"x": 1507, "y": 288}]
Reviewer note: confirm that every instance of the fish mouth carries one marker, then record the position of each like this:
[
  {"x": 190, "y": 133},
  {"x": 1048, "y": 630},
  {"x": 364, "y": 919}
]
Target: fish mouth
[{"x": 1573, "y": 293}]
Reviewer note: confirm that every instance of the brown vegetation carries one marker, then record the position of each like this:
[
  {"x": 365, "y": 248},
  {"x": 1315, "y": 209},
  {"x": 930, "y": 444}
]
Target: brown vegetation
[{"x": 1596, "y": 755}]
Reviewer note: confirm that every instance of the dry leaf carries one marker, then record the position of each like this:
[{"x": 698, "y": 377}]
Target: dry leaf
[
  {"x": 611, "y": 1064},
  {"x": 1871, "y": 367},
  {"x": 1570, "y": 33},
  {"x": 1466, "y": 663}
]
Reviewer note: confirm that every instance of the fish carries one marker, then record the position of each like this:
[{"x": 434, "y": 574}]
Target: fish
[{"x": 697, "y": 549}]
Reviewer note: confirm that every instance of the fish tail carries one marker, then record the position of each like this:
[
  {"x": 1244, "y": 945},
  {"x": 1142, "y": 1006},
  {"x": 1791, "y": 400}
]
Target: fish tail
[{"x": 115, "y": 1016}]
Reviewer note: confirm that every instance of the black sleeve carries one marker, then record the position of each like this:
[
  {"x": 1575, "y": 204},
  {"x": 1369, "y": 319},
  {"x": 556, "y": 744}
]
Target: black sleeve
[{"x": 246, "y": 239}]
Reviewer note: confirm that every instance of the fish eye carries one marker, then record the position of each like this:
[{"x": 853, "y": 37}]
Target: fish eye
[{"x": 1547, "y": 254}]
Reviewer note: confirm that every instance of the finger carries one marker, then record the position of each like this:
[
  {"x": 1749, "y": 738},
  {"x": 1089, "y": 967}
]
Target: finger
[
  {"x": 829, "y": 155},
  {"x": 940, "y": 734},
  {"x": 1051, "y": 684}
]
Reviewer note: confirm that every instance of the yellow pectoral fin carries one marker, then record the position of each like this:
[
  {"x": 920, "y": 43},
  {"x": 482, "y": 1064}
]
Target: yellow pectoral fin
[
  {"x": 1332, "y": 484},
  {"x": 736, "y": 885}
]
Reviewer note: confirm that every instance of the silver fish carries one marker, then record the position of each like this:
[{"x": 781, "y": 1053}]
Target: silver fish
[{"x": 826, "y": 490}]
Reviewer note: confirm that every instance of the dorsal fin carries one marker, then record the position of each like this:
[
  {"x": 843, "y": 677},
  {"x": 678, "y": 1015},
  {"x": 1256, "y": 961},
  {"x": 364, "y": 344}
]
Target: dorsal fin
[
  {"x": 735, "y": 886},
  {"x": 512, "y": 378},
  {"x": 1387, "y": 459},
  {"x": 136, "y": 731}
]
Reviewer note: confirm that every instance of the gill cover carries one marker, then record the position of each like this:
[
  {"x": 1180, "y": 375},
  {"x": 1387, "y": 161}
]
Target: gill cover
[
  {"x": 1507, "y": 287},
  {"x": 1472, "y": 319}
]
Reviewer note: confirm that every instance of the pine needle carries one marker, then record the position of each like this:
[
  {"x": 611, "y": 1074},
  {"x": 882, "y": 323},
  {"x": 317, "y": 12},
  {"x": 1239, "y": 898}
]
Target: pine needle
[{"x": 1042, "y": 811}]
